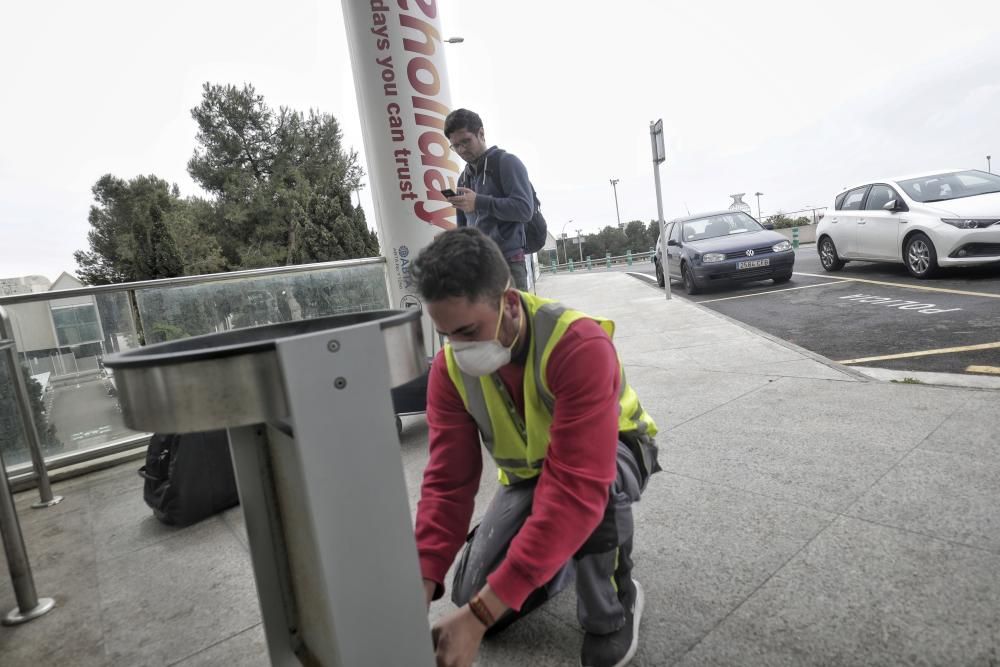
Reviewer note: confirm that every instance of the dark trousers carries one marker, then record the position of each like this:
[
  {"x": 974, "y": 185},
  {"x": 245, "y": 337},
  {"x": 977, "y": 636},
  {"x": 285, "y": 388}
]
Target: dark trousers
[
  {"x": 519, "y": 274},
  {"x": 603, "y": 564}
]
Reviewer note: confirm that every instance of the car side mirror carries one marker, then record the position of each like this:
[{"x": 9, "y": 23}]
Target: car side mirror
[
  {"x": 895, "y": 206},
  {"x": 673, "y": 242},
  {"x": 768, "y": 225}
]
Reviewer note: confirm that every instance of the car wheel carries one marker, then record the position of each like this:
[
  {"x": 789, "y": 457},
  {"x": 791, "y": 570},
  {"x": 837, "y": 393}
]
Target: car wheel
[
  {"x": 783, "y": 278},
  {"x": 690, "y": 286},
  {"x": 828, "y": 255},
  {"x": 920, "y": 256},
  {"x": 659, "y": 275}
]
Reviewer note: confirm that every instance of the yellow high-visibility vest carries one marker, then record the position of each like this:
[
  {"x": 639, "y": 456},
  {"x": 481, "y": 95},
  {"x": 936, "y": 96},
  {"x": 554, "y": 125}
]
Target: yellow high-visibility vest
[{"x": 518, "y": 446}]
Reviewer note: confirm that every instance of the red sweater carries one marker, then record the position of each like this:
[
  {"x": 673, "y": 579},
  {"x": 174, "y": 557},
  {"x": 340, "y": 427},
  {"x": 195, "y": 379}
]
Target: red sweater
[{"x": 572, "y": 490}]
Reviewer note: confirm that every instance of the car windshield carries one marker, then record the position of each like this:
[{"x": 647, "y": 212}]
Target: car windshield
[
  {"x": 723, "y": 224},
  {"x": 953, "y": 185}
]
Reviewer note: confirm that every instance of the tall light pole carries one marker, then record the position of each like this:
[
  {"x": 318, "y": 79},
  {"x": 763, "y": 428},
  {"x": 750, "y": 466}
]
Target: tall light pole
[
  {"x": 614, "y": 186},
  {"x": 758, "y": 195},
  {"x": 579, "y": 242},
  {"x": 563, "y": 235},
  {"x": 988, "y": 164}
]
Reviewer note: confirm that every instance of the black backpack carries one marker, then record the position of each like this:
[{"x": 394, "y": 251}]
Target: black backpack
[
  {"x": 536, "y": 229},
  {"x": 189, "y": 476}
]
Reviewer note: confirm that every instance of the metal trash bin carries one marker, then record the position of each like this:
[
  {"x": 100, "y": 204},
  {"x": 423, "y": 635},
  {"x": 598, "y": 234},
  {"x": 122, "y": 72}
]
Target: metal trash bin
[{"x": 308, "y": 410}]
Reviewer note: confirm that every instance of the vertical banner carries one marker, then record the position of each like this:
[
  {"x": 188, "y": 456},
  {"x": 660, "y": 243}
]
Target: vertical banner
[{"x": 397, "y": 57}]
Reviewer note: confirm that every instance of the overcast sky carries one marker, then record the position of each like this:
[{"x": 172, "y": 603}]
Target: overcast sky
[{"x": 777, "y": 97}]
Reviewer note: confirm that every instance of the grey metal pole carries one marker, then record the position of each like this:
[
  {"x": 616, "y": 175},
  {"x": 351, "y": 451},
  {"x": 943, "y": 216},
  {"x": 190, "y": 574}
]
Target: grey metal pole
[
  {"x": 28, "y": 430},
  {"x": 659, "y": 213},
  {"x": 579, "y": 241},
  {"x": 614, "y": 186},
  {"x": 28, "y": 604}
]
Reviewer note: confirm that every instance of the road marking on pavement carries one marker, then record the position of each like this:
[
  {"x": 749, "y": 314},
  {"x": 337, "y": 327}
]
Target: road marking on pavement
[
  {"x": 924, "y": 353},
  {"x": 903, "y": 285},
  {"x": 994, "y": 370},
  {"x": 770, "y": 291}
]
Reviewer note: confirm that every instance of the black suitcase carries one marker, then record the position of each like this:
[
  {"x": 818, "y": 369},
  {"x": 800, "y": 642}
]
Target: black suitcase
[
  {"x": 188, "y": 476},
  {"x": 410, "y": 399}
]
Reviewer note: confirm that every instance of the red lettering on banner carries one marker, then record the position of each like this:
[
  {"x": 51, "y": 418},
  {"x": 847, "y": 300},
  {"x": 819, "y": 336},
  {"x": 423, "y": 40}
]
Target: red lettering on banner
[
  {"x": 429, "y": 158},
  {"x": 423, "y": 76},
  {"x": 430, "y": 105},
  {"x": 413, "y": 69},
  {"x": 425, "y": 47},
  {"x": 439, "y": 218},
  {"x": 429, "y": 7}
]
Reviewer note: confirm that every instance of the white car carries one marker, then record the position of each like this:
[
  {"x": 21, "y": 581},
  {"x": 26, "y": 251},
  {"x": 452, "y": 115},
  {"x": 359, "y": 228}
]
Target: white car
[{"x": 949, "y": 218}]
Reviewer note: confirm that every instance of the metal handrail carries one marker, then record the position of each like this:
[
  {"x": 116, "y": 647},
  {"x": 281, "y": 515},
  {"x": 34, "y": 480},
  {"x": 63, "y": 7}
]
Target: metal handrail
[
  {"x": 23, "y": 401},
  {"x": 29, "y": 606},
  {"x": 186, "y": 280}
]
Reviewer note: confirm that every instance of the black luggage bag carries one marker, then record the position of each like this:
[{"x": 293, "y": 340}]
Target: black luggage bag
[
  {"x": 188, "y": 476},
  {"x": 410, "y": 399}
]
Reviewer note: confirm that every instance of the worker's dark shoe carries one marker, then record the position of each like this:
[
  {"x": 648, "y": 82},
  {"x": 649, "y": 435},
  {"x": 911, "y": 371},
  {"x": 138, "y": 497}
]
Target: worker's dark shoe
[{"x": 616, "y": 649}]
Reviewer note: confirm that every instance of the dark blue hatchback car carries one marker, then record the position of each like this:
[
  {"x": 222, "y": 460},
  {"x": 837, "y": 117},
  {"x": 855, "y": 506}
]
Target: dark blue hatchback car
[{"x": 724, "y": 247}]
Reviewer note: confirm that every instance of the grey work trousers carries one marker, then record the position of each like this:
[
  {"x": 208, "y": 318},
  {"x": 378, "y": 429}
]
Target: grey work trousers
[{"x": 602, "y": 564}]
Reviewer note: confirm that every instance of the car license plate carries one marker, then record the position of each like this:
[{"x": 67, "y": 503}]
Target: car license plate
[{"x": 753, "y": 263}]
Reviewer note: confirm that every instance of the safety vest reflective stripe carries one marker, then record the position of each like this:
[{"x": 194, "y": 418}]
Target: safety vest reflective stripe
[{"x": 518, "y": 458}]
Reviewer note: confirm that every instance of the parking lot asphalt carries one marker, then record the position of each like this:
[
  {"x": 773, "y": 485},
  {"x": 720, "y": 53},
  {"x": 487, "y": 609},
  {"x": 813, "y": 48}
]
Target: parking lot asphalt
[{"x": 875, "y": 315}]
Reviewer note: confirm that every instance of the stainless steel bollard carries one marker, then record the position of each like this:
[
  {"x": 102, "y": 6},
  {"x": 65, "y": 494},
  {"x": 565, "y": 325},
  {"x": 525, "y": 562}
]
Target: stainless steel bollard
[
  {"x": 309, "y": 414},
  {"x": 28, "y": 604},
  {"x": 28, "y": 430}
]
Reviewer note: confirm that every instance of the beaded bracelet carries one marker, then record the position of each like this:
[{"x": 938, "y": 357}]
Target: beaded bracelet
[{"x": 481, "y": 611}]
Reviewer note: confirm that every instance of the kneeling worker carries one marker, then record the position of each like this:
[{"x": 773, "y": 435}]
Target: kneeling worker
[{"x": 543, "y": 387}]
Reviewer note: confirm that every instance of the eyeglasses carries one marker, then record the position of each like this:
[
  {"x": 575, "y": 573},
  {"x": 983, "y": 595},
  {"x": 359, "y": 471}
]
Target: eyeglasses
[{"x": 464, "y": 143}]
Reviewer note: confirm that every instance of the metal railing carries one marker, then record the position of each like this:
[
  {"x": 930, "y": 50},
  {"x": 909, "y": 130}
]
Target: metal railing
[
  {"x": 132, "y": 314},
  {"x": 128, "y": 315},
  {"x": 590, "y": 262}
]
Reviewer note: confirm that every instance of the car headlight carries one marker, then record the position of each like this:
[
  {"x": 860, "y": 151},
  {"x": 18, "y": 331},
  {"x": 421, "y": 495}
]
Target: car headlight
[
  {"x": 970, "y": 223},
  {"x": 712, "y": 257},
  {"x": 781, "y": 246}
]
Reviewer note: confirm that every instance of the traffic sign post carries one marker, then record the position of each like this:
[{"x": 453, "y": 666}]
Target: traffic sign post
[{"x": 659, "y": 156}]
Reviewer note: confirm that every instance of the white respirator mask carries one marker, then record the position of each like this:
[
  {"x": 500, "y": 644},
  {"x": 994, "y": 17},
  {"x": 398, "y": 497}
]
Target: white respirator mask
[{"x": 482, "y": 357}]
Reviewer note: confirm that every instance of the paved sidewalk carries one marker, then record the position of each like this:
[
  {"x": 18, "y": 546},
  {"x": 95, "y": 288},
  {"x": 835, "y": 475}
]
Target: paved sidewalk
[{"x": 806, "y": 516}]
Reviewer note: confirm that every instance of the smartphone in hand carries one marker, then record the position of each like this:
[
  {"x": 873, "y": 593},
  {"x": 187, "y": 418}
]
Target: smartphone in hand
[{"x": 448, "y": 192}]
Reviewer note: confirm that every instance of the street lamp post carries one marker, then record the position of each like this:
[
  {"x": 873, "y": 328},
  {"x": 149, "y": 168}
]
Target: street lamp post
[
  {"x": 614, "y": 186},
  {"x": 758, "y": 195},
  {"x": 988, "y": 164},
  {"x": 579, "y": 242},
  {"x": 563, "y": 235}
]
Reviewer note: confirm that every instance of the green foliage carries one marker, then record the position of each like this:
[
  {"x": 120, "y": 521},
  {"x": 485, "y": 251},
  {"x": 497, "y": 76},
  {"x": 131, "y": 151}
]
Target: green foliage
[
  {"x": 281, "y": 179},
  {"x": 11, "y": 441},
  {"x": 280, "y": 184},
  {"x": 636, "y": 236},
  {"x": 129, "y": 236},
  {"x": 782, "y": 221}
]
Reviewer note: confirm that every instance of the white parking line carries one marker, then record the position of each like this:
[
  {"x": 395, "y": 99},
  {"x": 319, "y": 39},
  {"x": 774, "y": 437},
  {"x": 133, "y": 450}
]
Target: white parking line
[
  {"x": 924, "y": 353},
  {"x": 771, "y": 291},
  {"x": 903, "y": 285}
]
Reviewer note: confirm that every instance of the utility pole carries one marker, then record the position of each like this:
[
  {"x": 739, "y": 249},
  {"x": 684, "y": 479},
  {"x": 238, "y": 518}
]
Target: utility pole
[
  {"x": 614, "y": 186},
  {"x": 758, "y": 195},
  {"x": 579, "y": 242},
  {"x": 659, "y": 156}
]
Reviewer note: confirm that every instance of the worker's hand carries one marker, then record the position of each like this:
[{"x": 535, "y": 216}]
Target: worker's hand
[
  {"x": 429, "y": 588},
  {"x": 465, "y": 200},
  {"x": 457, "y": 637}
]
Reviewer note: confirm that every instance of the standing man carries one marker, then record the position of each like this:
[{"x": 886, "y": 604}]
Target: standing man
[
  {"x": 494, "y": 193},
  {"x": 543, "y": 387}
]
